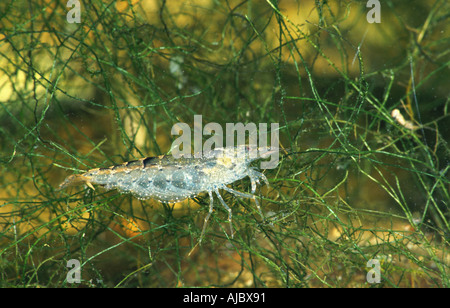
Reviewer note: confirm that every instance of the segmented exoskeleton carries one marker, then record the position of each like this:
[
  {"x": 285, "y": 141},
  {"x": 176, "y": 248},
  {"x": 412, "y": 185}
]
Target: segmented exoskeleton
[{"x": 170, "y": 179}]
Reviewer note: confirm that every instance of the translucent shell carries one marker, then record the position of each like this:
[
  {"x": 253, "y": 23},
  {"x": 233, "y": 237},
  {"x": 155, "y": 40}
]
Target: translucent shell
[{"x": 169, "y": 179}]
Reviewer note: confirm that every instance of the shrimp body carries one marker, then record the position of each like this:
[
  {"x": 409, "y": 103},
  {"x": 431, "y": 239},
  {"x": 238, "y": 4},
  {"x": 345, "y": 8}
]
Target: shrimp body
[{"x": 169, "y": 179}]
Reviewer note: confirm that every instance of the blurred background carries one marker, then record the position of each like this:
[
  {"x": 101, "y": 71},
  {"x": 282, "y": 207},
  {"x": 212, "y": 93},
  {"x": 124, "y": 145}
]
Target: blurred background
[{"x": 363, "y": 113}]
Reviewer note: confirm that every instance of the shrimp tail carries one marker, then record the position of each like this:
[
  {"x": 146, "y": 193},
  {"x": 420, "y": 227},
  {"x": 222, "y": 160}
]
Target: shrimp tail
[{"x": 76, "y": 179}]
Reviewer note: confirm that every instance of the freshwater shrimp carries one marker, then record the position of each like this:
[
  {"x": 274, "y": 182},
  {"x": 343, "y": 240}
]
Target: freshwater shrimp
[{"x": 169, "y": 179}]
